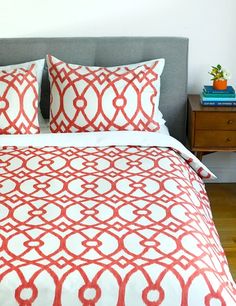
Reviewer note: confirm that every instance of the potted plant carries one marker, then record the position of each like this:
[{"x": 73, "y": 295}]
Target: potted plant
[{"x": 220, "y": 76}]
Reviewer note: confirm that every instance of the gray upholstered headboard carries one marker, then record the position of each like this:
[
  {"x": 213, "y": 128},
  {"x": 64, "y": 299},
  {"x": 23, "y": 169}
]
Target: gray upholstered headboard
[{"x": 110, "y": 51}]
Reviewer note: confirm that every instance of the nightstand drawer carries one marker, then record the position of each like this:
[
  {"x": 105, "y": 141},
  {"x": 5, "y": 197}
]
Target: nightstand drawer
[
  {"x": 224, "y": 139},
  {"x": 214, "y": 120}
]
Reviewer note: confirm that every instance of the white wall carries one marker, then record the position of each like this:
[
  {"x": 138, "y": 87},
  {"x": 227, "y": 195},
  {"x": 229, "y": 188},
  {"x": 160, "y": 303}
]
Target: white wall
[{"x": 209, "y": 24}]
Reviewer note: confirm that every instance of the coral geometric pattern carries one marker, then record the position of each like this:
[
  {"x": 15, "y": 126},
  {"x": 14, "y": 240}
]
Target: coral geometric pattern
[
  {"x": 19, "y": 101},
  {"x": 107, "y": 226},
  {"x": 89, "y": 99}
]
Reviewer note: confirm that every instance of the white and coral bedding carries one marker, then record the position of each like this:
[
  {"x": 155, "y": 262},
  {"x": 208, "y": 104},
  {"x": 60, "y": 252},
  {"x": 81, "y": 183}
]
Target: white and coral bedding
[
  {"x": 45, "y": 129},
  {"x": 107, "y": 219}
]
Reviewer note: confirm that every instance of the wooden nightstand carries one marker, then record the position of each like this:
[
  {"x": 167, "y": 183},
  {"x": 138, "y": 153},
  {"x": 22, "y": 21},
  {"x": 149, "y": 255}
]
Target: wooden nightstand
[{"x": 210, "y": 128}]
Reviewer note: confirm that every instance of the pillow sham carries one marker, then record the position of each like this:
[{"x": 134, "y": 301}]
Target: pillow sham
[
  {"x": 89, "y": 99},
  {"x": 19, "y": 101},
  {"x": 39, "y": 66}
]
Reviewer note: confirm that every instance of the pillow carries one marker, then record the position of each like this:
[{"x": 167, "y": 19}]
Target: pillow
[
  {"x": 89, "y": 99},
  {"x": 39, "y": 70},
  {"x": 19, "y": 101}
]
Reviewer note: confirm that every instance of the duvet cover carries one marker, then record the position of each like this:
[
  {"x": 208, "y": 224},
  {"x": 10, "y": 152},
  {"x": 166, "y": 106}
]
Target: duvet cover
[{"x": 114, "y": 218}]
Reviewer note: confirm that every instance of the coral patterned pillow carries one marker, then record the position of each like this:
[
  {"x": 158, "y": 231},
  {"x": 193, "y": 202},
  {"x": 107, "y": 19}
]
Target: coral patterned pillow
[
  {"x": 19, "y": 101},
  {"x": 39, "y": 67},
  {"x": 88, "y": 99}
]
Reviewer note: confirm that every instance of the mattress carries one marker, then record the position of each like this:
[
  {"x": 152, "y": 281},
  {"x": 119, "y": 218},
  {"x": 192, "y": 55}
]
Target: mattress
[{"x": 107, "y": 218}]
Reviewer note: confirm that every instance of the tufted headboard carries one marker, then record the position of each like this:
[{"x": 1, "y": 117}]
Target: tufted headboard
[{"x": 112, "y": 51}]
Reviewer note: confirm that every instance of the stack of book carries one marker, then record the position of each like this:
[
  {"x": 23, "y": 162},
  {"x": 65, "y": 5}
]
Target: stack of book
[{"x": 213, "y": 97}]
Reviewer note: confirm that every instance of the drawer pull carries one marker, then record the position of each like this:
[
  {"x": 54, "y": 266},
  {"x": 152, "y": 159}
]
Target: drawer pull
[
  {"x": 230, "y": 121},
  {"x": 228, "y": 139}
]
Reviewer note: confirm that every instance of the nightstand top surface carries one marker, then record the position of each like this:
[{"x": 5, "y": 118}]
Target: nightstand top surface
[{"x": 196, "y": 106}]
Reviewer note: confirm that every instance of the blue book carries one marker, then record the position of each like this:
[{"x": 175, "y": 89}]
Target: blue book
[
  {"x": 217, "y": 103},
  {"x": 209, "y": 89},
  {"x": 217, "y": 99},
  {"x": 218, "y": 95}
]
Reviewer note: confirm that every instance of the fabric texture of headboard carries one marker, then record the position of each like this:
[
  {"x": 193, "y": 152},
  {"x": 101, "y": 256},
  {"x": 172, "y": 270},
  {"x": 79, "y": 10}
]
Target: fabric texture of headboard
[{"x": 112, "y": 51}]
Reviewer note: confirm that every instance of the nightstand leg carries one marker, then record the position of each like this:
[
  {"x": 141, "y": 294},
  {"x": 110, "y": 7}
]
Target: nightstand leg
[{"x": 199, "y": 155}]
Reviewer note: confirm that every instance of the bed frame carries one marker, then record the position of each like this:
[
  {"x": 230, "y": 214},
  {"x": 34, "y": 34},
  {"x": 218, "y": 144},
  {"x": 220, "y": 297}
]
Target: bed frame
[{"x": 111, "y": 51}]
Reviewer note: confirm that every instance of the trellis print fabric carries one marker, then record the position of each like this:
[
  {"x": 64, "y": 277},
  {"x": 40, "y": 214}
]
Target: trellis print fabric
[
  {"x": 107, "y": 226},
  {"x": 88, "y": 99},
  {"x": 19, "y": 101}
]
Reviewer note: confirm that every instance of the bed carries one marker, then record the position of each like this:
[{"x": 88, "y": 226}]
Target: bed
[{"x": 108, "y": 212}]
